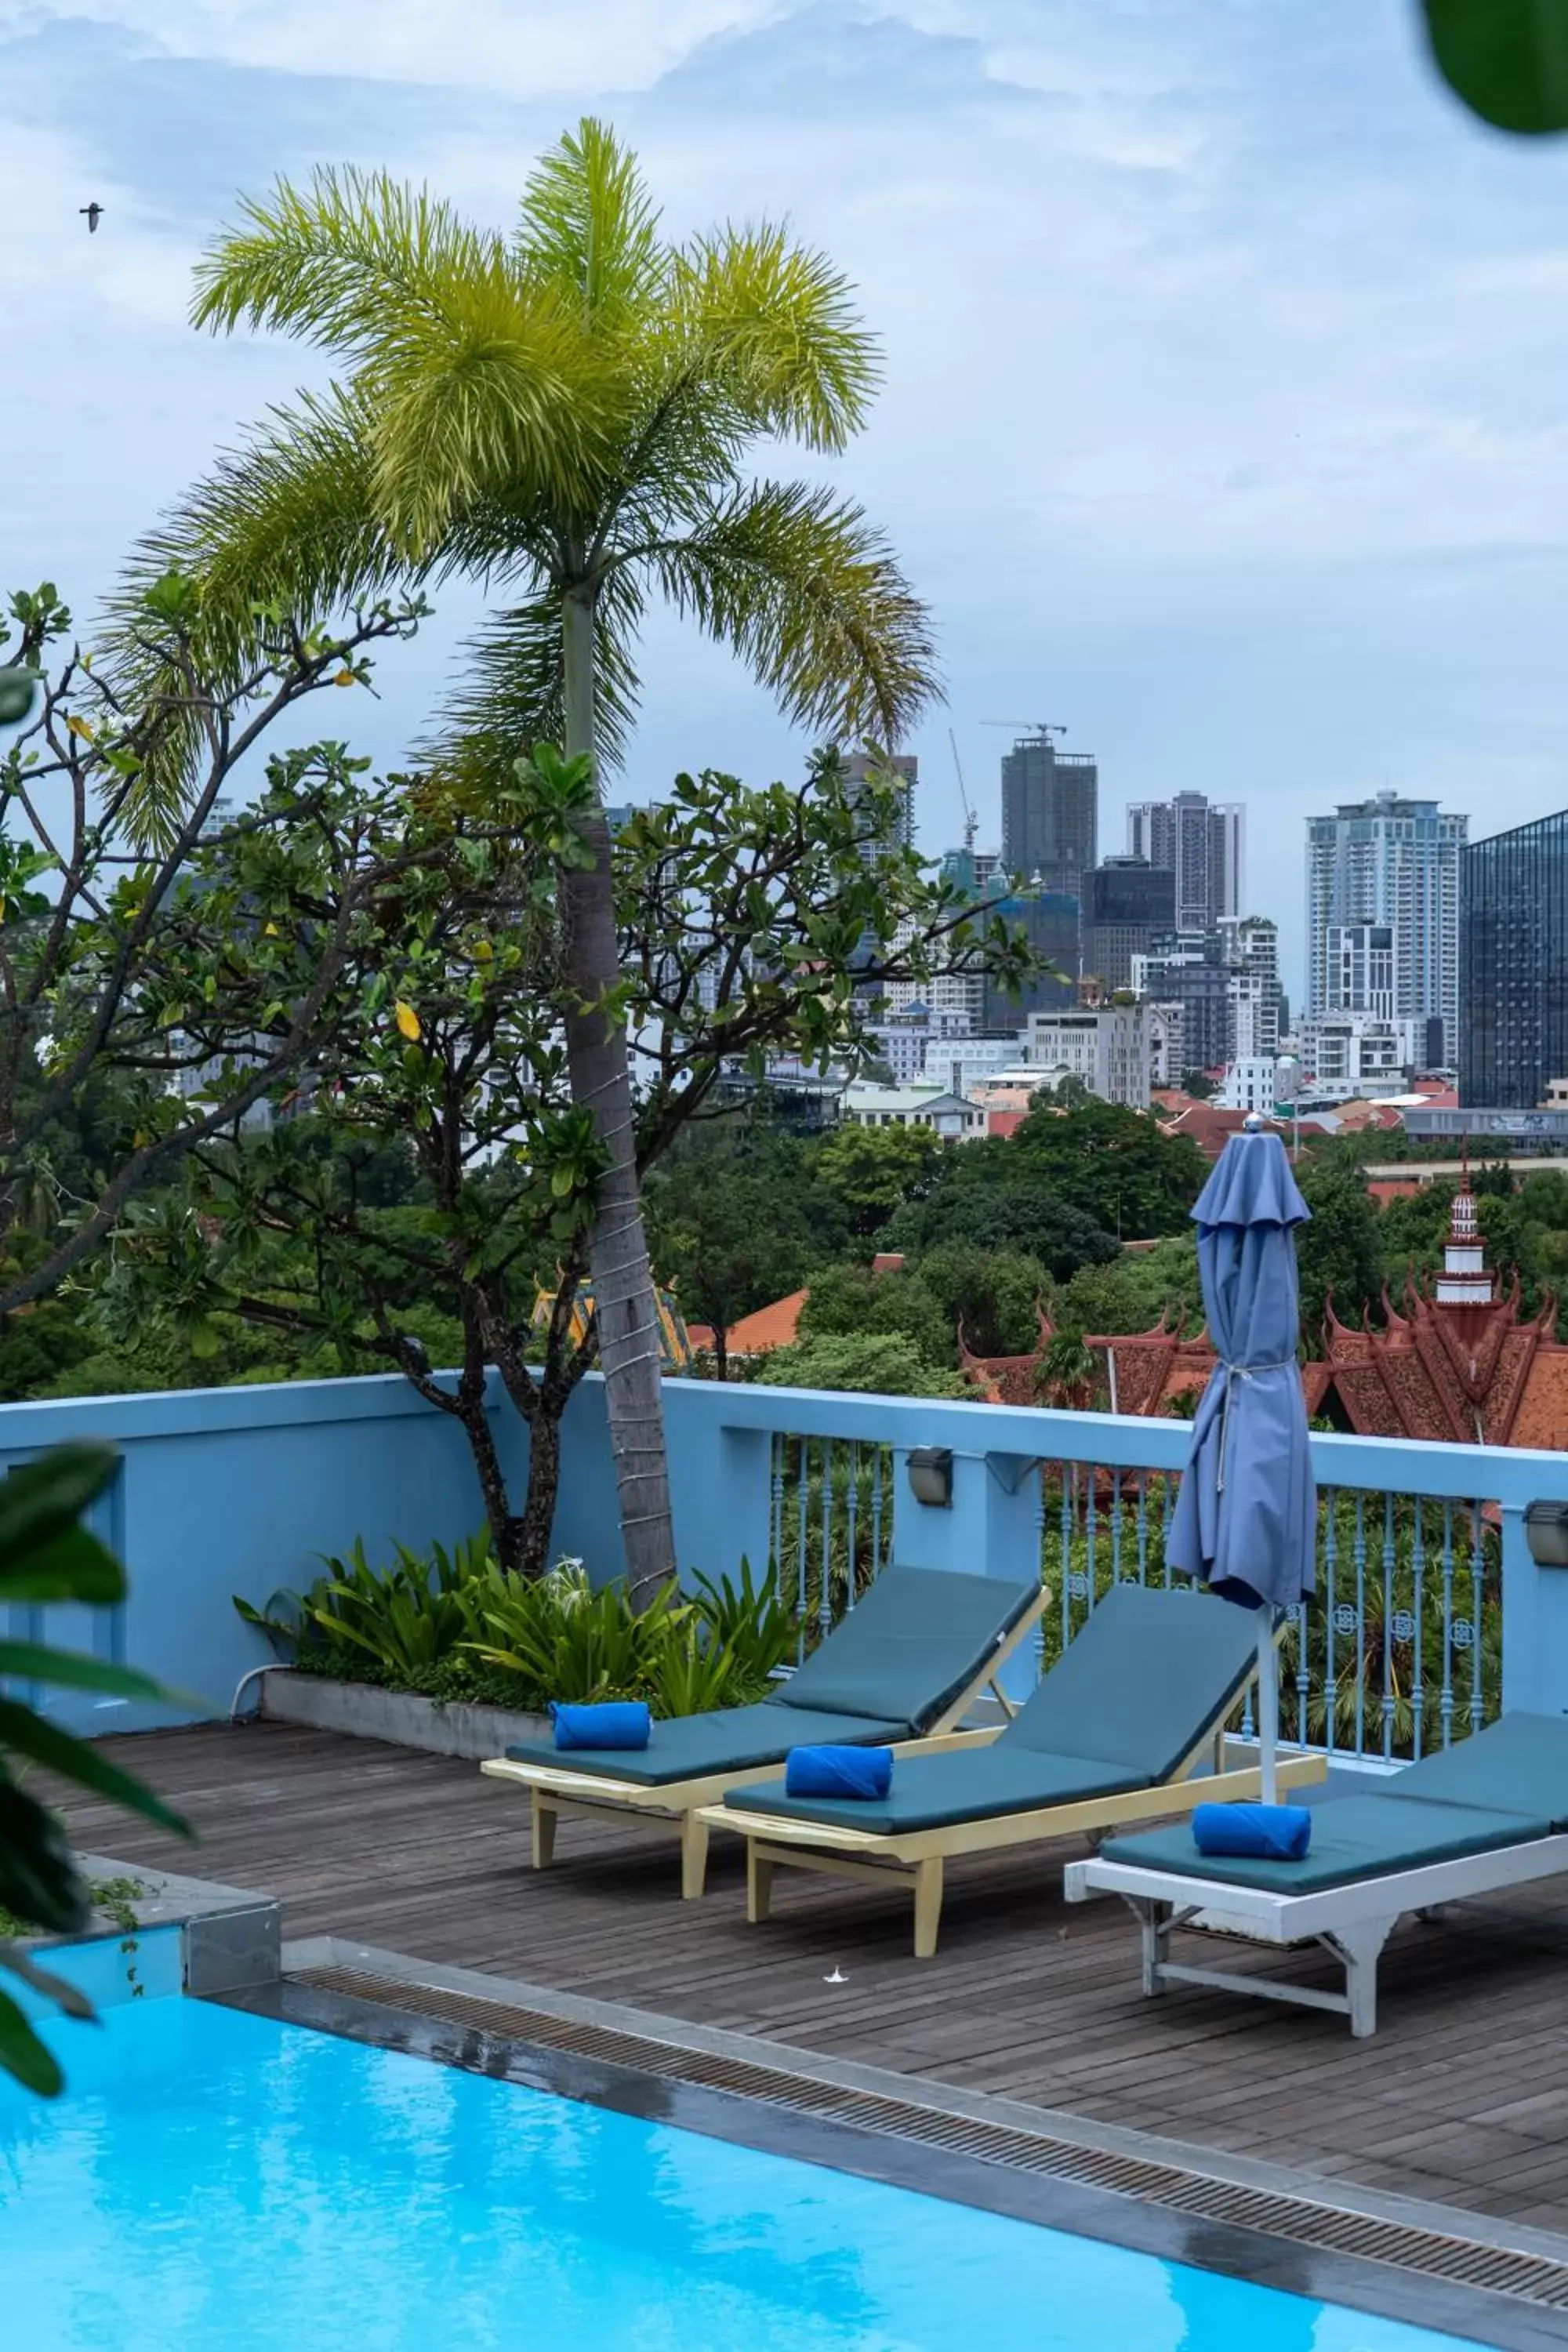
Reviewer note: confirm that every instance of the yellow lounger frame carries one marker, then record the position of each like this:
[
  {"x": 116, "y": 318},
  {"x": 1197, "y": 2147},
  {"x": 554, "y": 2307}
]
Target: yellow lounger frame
[
  {"x": 917, "y": 1856},
  {"x": 690, "y": 1806}
]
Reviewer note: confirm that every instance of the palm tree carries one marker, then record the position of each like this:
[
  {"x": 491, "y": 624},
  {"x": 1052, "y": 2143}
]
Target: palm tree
[{"x": 562, "y": 412}]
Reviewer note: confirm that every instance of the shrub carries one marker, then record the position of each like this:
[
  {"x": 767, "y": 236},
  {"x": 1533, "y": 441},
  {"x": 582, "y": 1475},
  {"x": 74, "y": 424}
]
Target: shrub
[{"x": 452, "y": 1625}]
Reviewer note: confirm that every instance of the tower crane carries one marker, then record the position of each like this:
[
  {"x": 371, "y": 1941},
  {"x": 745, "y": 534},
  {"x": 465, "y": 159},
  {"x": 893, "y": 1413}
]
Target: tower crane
[
  {"x": 971, "y": 822},
  {"x": 1027, "y": 725}
]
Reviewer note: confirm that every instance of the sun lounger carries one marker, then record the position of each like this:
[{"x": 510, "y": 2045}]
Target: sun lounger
[
  {"x": 903, "y": 1667},
  {"x": 1134, "y": 1703},
  {"x": 1489, "y": 1813}
]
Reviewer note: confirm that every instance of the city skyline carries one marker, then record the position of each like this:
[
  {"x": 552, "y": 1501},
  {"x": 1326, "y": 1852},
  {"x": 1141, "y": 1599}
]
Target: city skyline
[{"x": 1269, "y": 503}]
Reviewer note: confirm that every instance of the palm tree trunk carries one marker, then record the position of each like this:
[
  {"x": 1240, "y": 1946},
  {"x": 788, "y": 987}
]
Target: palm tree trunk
[{"x": 617, "y": 1249}]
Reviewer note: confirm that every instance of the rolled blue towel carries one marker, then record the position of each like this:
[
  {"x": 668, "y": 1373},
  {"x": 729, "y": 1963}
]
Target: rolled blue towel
[
  {"x": 838, "y": 1772},
  {"x": 612, "y": 1722},
  {"x": 1277, "y": 1832}
]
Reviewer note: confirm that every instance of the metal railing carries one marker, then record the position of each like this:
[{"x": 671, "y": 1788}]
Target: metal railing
[
  {"x": 831, "y": 1503},
  {"x": 1398, "y": 1650}
]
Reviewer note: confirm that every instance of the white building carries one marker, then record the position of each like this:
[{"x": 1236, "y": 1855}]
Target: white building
[
  {"x": 912, "y": 1106},
  {"x": 1393, "y": 864},
  {"x": 1248, "y": 1084},
  {"x": 1358, "y": 963},
  {"x": 1106, "y": 1046},
  {"x": 1162, "y": 1025},
  {"x": 1350, "y": 1054},
  {"x": 959, "y": 994},
  {"x": 960, "y": 1063}
]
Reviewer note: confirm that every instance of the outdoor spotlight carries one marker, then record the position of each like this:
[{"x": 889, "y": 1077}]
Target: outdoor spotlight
[
  {"x": 931, "y": 1476},
  {"x": 1546, "y": 1528}
]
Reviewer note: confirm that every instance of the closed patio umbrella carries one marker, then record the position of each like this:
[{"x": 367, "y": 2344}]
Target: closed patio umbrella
[{"x": 1245, "y": 1519}]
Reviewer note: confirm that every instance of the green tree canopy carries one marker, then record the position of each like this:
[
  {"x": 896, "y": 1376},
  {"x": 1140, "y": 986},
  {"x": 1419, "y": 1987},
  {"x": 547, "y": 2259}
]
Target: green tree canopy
[{"x": 567, "y": 408}]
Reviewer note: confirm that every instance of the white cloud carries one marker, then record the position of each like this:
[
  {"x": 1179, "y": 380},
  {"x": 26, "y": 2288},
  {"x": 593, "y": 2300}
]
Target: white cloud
[
  {"x": 519, "y": 49},
  {"x": 1224, "y": 416}
]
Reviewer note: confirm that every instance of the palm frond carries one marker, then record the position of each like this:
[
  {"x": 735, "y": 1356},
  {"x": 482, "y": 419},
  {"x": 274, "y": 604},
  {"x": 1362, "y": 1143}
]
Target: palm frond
[
  {"x": 589, "y": 230},
  {"x": 329, "y": 262},
  {"x": 497, "y": 394},
  {"x": 289, "y": 518},
  {"x": 803, "y": 589},
  {"x": 511, "y": 696},
  {"x": 771, "y": 327}
]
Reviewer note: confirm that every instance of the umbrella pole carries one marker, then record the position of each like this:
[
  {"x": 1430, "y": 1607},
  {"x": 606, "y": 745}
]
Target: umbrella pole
[{"x": 1268, "y": 1707}]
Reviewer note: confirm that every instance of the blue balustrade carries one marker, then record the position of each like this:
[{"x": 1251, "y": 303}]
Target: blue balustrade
[{"x": 1429, "y": 1611}]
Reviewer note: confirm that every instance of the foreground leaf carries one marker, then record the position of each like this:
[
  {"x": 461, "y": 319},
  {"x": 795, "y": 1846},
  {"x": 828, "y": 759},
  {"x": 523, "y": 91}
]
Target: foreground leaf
[
  {"x": 1508, "y": 59},
  {"x": 22, "y": 2053},
  {"x": 77, "y": 1759}
]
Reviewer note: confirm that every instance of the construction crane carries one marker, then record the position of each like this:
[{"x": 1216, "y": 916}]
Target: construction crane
[
  {"x": 1026, "y": 726},
  {"x": 971, "y": 822}
]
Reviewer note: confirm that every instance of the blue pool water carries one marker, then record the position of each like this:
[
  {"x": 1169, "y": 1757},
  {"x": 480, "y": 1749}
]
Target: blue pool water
[{"x": 213, "y": 2178}]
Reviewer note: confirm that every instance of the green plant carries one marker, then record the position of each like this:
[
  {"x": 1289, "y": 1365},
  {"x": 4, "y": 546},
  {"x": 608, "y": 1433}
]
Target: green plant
[
  {"x": 454, "y": 1626},
  {"x": 113, "y": 1898},
  {"x": 568, "y": 405},
  {"x": 47, "y": 1555},
  {"x": 751, "y": 1622},
  {"x": 567, "y": 1641}
]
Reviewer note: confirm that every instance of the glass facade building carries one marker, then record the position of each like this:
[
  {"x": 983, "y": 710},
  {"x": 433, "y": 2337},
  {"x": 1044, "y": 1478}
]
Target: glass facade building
[
  {"x": 1050, "y": 814},
  {"x": 1513, "y": 1031}
]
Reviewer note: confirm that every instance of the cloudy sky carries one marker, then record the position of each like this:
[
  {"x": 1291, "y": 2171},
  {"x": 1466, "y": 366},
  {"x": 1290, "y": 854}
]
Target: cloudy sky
[{"x": 1226, "y": 361}]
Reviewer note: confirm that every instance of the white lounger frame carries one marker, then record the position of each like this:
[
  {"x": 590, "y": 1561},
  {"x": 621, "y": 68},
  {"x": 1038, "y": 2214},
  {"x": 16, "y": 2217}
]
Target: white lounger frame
[
  {"x": 775, "y": 1840},
  {"x": 1352, "y": 1922},
  {"x": 554, "y": 1790}
]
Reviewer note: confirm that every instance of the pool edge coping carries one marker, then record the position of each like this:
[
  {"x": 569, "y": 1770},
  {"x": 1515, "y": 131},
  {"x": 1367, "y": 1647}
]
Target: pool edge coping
[{"x": 936, "y": 2096}]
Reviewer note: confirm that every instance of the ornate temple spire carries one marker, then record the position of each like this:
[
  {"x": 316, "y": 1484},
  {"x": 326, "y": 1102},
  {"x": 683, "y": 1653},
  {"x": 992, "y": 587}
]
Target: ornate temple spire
[{"x": 1466, "y": 1279}]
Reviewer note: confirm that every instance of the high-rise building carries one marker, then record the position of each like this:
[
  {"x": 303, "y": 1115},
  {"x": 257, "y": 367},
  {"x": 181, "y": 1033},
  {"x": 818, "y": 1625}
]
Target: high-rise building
[
  {"x": 1050, "y": 813},
  {"x": 1049, "y": 922},
  {"x": 1394, "y": 864},
  {"x": 905, "y": 768},
  {"x": 1249, "y": 949},
  {"x": 1126, "y": 903},
  {"x": 1202, "y": 843},
  {"x": 1513, "y": 1023}
]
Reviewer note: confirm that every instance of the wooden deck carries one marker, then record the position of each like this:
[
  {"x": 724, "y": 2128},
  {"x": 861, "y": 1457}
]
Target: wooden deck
[{"x": 1461, "y": 2097}]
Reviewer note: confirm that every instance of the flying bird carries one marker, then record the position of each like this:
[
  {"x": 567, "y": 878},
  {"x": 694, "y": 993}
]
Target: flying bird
[{"x": 94, "y": 214}]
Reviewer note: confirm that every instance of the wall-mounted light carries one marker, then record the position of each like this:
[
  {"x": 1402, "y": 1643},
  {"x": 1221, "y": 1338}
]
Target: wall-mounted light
[
  {"x": 931, "y": 1476},
  {"x": 1546, "y": 1530}
]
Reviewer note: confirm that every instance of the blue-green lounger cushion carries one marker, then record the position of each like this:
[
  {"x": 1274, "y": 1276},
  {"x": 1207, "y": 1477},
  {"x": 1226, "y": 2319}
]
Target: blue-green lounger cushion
[
  {"x": 1518, "y": 1764},
  {"x": 1144, "y": 1678},
  {"x": 1352, "y": 1837},
  {"x": 908, "y": 1646},
  {"x": 932, "y": 1792},
  {"x": 728, "y": 1738}
]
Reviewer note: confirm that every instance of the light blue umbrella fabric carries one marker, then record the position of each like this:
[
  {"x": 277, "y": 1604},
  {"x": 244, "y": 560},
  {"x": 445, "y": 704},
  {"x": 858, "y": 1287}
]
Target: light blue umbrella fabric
[{"x": 1246, "y": 1517}]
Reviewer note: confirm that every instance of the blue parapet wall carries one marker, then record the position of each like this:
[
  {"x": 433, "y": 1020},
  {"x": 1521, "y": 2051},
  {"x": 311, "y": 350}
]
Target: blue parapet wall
[{"x": 225, "y": 1491}]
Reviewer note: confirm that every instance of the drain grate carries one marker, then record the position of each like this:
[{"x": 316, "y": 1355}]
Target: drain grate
[{"x": 1532, "y": 2277}]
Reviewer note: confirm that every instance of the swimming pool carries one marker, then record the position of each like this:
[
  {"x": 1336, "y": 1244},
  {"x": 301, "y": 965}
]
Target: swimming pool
[{"x": 213, "y": 2178}]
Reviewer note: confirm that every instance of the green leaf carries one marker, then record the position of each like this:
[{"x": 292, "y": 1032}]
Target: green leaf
[
  {"x": 77, "y": 1759},
  {"x": 41, "y": 1498},
  {"x": 38, "y": 1878},
  {"x": 74, "y": 1566},
  {"x": 1508, "y": 59},
  {"x": 36, "y": 1662},
  {"x": 22, "y": 2053},
  {"x": 59, "y": 1989}
]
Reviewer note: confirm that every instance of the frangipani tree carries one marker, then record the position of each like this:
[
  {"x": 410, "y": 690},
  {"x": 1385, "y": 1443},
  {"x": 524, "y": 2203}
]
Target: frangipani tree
[{"x": 564, "y": 411}]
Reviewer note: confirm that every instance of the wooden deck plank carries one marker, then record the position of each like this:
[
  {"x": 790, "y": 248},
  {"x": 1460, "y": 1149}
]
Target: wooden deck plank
[{"x": 1462, "y": 2096}]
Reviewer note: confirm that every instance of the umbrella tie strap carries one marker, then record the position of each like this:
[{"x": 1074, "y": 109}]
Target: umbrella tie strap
[{"x": 1234, "y": 1372}]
